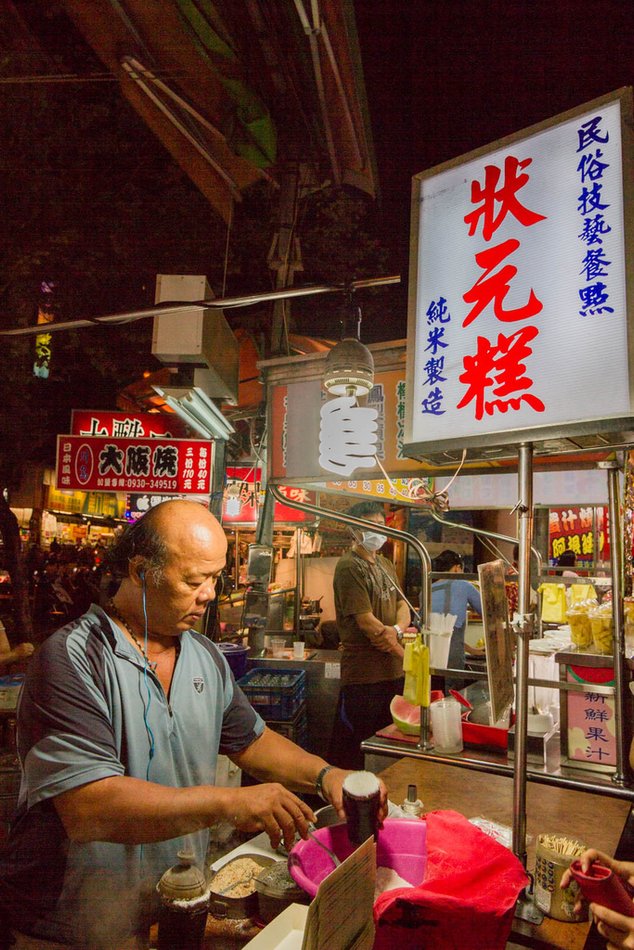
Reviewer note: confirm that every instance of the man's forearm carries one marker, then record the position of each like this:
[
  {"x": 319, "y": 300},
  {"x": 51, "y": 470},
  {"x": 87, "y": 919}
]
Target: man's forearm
[
  {"x": 380, "y": 636},
  {"x": 273, "y": 758},
  {"x": 130, "y": 811},
  {"x": 403, "y": 615}
]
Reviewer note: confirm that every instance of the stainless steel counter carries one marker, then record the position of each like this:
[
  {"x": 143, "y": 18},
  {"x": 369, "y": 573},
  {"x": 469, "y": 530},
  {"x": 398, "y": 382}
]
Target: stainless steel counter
[
  {"x": 323, "y": 680},
  {"x": 379, "y": 752}
]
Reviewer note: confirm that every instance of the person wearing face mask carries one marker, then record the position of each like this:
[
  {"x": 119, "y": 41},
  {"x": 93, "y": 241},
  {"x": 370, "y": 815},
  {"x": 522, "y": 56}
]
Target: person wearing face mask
[{"x": 371, "y": 618}]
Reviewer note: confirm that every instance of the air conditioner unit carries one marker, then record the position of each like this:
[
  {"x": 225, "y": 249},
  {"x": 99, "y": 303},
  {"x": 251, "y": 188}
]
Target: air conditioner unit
[{"x": 200, "y": 336}]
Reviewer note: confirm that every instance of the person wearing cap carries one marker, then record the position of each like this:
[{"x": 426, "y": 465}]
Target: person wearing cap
[
  {"x": 567, "y": 560},
  {"x": 372, "y": 618},
  {"x": 455, "y": 596}
]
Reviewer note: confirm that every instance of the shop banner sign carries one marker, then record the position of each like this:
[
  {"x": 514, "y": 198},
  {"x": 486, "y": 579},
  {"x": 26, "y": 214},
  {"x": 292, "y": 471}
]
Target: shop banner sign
[
  {"x": 518, "y": 316},
  {"x": 127, "y": 425},
  {"x": 243, "y": 498},
  {"x": 137, "y": 505},
  {"x": 591, "y": 726},
  {"x": 166, "y": 466},
  {"x": 296, "y": 422},
  {"x": 582, "y": 530}
]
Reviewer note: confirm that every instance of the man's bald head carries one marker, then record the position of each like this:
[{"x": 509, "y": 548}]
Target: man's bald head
[{"x": 164, "y": 530}]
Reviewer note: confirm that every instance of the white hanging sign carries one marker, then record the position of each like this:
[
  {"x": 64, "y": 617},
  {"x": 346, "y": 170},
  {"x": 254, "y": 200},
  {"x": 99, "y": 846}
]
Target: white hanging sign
[{"x": 518, "y": 306}]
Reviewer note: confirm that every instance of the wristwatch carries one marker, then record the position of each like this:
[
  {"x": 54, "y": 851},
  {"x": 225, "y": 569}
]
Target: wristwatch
[
  {"x": 399, "y": 633},
  {"x": 319, "y": 783}
]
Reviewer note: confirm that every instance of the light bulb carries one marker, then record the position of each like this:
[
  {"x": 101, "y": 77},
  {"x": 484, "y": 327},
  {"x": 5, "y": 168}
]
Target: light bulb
[
  {"x": 349, "y": 369},
  {"x": 347, "y": 436}
]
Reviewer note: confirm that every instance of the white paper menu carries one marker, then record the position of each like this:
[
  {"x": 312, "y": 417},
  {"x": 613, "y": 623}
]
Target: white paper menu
[{"x": 341, "y": 913}]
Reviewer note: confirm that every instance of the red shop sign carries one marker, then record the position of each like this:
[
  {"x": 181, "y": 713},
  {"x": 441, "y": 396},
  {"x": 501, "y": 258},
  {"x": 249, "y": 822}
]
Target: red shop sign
[
  {"x": 163, "y": 466},
  {"x": 572, "y": 529},
  {"x": 127, "y": 425}
]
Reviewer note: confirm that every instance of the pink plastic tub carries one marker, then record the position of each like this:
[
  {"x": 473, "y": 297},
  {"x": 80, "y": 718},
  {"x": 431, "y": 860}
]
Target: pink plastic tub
[{"x": 401, "y": 846}]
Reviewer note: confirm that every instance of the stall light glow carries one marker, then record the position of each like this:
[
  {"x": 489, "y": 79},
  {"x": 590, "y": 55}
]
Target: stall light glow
[
  {"x": 233, "y": 506},
  {"x": 347, "y": 436},
  {"x": 198, "y": 411},
  {"x": 349, "y": 369}
]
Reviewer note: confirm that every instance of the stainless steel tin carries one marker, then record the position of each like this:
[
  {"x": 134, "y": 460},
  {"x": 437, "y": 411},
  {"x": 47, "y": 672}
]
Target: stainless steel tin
[{"x": 236, "y": 908}]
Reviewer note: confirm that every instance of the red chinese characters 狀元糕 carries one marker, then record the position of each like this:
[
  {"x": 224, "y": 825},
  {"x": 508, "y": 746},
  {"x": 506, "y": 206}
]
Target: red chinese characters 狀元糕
[{"x": 495, "y": 375}]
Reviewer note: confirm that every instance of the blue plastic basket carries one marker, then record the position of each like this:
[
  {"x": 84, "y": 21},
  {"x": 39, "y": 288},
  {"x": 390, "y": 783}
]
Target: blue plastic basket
[{"x": 275, "y": 694}]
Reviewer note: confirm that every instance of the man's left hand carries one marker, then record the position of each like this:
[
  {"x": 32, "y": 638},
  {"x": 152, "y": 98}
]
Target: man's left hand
[
  {"x": 617, "y": 929},
  {"x": 333, "y": 784}
]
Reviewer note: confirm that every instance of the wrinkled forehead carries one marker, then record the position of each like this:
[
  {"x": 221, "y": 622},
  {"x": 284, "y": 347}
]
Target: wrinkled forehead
[{"x": 200, "y": 538}]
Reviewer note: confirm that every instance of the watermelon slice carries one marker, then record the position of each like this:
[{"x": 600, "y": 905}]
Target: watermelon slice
[{"x": 405, "y": 716}]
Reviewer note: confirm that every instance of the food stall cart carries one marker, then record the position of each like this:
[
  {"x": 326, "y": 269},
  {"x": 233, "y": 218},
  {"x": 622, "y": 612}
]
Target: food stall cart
[{"x": 404, "y": 423}]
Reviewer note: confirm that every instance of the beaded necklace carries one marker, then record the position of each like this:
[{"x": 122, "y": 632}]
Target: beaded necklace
[{"x": 116, "y": 613}]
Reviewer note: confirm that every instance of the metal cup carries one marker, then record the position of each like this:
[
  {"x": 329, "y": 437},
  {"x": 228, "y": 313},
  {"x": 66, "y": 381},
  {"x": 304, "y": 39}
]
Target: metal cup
[
  {"x": 362, "y": 810},
  {"x": 182, "y": 929}
]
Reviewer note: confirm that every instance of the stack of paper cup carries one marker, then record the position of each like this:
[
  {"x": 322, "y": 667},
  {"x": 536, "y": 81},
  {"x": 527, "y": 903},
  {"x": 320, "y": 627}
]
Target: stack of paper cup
[{"x": 446, "y": 726}]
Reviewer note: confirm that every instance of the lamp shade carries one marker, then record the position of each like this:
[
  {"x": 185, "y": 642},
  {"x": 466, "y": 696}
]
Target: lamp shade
[{"x": 349, "y": 369}]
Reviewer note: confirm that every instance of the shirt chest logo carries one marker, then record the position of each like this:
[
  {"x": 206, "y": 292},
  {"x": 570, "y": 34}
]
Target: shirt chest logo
[{"x": 199, "y": 683}]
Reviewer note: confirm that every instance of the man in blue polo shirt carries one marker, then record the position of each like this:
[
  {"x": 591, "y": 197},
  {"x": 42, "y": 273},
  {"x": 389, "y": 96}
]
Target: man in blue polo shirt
[
  {"x": 120, "y": 722},
  {"x": 455, "y": 596}
]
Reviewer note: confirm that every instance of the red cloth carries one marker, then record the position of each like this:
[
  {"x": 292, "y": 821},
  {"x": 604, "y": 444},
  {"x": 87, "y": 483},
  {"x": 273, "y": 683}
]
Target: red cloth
[{"x": 466, "y": 900}]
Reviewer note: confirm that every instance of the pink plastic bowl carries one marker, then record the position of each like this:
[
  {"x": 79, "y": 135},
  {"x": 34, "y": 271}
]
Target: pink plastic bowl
[{"x": 401, "y": 846}]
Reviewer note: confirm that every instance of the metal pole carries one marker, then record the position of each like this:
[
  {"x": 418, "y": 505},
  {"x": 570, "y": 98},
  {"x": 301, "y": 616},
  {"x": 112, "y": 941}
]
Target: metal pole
[
  {"x": 525, "y": 511},
  {"x": 218, "y": 473},
  {"x": 481, "y": 532},
  {"x": 298, "y": 582},
  {"x": 616, "y": 566},
  {"x": 425, "y": 602}
]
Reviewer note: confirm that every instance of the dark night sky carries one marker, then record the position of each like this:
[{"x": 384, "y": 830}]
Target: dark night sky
[{"x": 447, "y": 76}]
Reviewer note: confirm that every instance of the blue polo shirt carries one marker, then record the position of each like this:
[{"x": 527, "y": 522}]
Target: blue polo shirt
[
  {"x": 455, "y": 597},
  {"x": 89, "y": 710}
]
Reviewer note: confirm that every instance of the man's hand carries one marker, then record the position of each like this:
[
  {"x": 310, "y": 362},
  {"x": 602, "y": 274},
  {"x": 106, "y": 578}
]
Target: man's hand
[
  {"x": 474, "y": 651},
  {"x": 387, "y": 640},
  {"x": 333, "y": 784},
  {"x": 617, "y": 929},
  {"x": 606, "y": 919},
  {"x": 271, "y": 808},
  {"x": 21, "y": 651}
]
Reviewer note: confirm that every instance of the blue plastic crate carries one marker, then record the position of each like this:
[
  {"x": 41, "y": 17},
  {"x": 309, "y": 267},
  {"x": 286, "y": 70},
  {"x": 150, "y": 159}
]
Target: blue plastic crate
[
  {"x": 295, "y": 729},
  {"x": 275, "y": 694}
]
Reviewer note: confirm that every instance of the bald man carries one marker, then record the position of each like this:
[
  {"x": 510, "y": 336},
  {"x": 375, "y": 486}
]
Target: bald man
[{"x": 123, "y": 714}]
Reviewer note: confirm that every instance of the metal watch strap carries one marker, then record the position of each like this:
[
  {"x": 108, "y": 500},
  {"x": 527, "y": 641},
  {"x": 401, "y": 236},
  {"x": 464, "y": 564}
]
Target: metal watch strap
[
  {"x": 399, "y": 633},
  {"x": 319, "y": 783}
]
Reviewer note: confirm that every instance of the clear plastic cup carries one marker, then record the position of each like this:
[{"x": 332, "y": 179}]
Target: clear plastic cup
[
  {"x": 277, "y": 646},
  {"x": 446, "y": 726},
  {"x": 580, "y": 630},
  {"x": 602, "y": 627}
]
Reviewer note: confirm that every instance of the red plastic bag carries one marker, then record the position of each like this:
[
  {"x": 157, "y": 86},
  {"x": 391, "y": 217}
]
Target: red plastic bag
[{"x": 467, "y": 898}]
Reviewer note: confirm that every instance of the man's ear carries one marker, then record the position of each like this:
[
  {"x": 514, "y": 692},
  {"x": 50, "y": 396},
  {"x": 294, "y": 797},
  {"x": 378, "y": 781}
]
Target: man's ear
[{"x": 138, "y": 571}]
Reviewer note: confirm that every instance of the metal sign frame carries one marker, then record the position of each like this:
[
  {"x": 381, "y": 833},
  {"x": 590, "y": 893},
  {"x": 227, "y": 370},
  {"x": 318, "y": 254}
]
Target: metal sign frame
[{"x": 548, "y": 438}]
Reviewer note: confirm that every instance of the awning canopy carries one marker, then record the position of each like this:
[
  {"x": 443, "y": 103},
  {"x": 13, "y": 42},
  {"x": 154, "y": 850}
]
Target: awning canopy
[{"x": 236, "y": 91}]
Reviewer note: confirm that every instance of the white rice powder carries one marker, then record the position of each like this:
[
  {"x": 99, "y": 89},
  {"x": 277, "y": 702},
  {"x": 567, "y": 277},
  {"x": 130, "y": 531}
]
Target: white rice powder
[
  {"x": 361, "y": 784},
  {"x": 388, "y": 880}
]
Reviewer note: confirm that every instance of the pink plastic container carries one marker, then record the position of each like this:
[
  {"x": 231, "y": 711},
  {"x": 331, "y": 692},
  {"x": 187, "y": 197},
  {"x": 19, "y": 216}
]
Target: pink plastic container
[{"x": 401, "y": 846}]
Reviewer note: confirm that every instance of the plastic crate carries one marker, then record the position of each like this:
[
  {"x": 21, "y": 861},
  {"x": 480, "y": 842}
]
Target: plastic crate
[
  {"x": 275, "y": 694},
  {"x": 295, "y": 729},
  {"x": 10, "y": 687}
]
